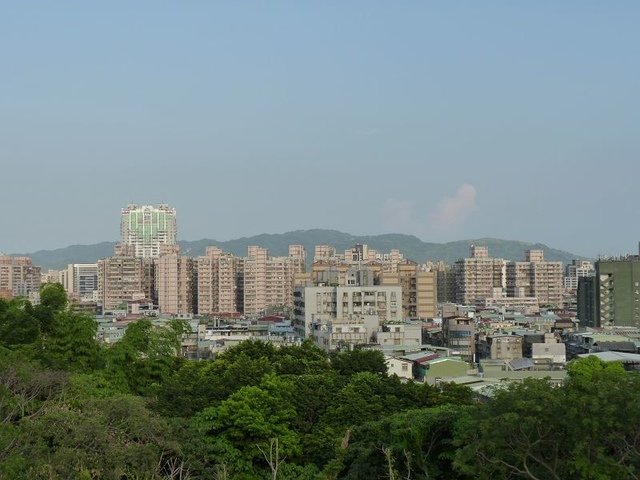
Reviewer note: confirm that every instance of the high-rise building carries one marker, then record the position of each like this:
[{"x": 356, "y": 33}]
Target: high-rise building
[
  {"x": 217, "y": 282},
  {"x": 612, "y": 296},
  {"x": 81, "y": 280},
  {"x": 446, "y": 282},
  {"x": 419, "y": 289},
  {"x": 323, "y": 253},
  {"x": 269, "y": 281},
  {"x": 122, "y": 279},
  {"x": 255, "y": 280},
  {"x": 479, "y": 277},
  {"x": 148, "y": 230},
  {"x": 330, "y": 268},
  {"x": 536, "y": 278},
  {"x": 19, "y": 277},
  {"x": 576, "y": 270},
  {"x": 587, "y": 308},
  {"x": 176, "y": 284},
  {"x": 54, "y": 276}
]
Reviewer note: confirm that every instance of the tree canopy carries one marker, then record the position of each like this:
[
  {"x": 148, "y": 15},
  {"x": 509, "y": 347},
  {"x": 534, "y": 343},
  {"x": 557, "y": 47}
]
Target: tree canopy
[{"x": 71, "y": 408}]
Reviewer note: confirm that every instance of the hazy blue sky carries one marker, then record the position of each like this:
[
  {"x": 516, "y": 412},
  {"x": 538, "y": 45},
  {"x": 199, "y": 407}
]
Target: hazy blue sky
[{"x": 446, "y": 120}]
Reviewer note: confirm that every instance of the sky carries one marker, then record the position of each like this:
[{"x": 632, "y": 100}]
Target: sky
[{"x": 445, "y": 120}]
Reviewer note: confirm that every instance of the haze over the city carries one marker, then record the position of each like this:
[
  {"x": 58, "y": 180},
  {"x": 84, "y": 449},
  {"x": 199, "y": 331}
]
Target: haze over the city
[{"x": 448, "y": 121}]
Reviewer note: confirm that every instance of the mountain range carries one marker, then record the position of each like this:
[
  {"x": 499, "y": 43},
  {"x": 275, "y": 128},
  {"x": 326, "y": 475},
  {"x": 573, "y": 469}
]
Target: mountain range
[{"x": 412, "y": 247}]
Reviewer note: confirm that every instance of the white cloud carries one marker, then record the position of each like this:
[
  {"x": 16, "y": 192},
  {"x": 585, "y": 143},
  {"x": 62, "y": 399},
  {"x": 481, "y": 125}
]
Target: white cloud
[
  {"x": 397, "y": 214},
  {"x": 452, "y": 211}
]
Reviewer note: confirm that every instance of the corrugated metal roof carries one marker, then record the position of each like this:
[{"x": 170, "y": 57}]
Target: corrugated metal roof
[{"x": 614, "y": 356}]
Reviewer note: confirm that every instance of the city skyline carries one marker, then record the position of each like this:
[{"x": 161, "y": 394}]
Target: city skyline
[{"x": 443, "y": 121}]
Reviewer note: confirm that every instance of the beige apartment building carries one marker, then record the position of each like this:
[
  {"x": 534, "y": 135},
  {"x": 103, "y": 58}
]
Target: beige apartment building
[
  {"x": 330, "y": 268},
  {"x": 217, "y": 282},
  {"x": 19, "y": 277},
  {"x": 176, "y": 284},
  {"x": 269, "y": 281},
  {"x": 419, "y": 289},
  {"x": 255, "y": 280},
  {"x": 536, "y": 278},
  {"x": 122, "y": 279},
  {"x": 479, "y": 277},
  {"x": 54, "y": 276},
  {"x": 323, "y": 253}
]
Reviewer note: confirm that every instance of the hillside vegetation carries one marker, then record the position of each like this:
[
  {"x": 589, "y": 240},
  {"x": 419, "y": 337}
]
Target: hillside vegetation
[{"x": 412, "y": 247}]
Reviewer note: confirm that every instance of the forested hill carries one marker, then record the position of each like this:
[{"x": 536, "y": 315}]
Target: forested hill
[{"x": 411, "y": 246}]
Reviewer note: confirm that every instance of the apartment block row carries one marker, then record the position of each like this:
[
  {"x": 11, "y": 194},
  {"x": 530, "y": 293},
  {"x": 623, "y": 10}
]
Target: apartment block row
[
  {"x": 482, "y": 279},
  {"x": 363, "y": 266},
  {"x": 215, "y": 283}
]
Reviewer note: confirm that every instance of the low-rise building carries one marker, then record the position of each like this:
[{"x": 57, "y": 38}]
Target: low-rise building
[
  {"x": 400, "y": 367},
  {"x": 459, "y": 335},
  {"x": 501, "y": 347}
]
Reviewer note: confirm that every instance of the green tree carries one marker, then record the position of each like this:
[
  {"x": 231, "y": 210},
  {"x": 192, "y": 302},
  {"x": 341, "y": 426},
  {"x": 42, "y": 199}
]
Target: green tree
[
  {"x": 237, "y": 431},
  {"x": 18, "y": 323},
  {"x": 145, "y": 357},
  {"x": 112, "y": 438},
  {"x": 603, "y": 408},
  {"x": 301, "y": 360},
  {"x": 53, "y": 299},
  {"x": 417, "y": 444},
  {"x": 350, "y": 362},
  {"x": 71, "y": 343},
  {"x": 251, "y": 349},
  {"x": 519, "y": 433}
]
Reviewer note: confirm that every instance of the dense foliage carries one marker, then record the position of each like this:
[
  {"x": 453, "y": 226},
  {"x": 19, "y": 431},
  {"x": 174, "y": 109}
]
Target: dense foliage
[{"x": 71, "y": 408}]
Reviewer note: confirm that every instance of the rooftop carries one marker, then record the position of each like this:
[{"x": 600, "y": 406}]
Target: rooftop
[{"x": 614, "y": 356}]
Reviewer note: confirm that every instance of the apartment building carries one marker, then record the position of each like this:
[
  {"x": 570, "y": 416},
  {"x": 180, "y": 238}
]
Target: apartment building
[
  {"x": 176, "y": 284},
  {"x": 419, "y": 289},
  {"x": 124, "y": 278},
  {"x": 147, "y": 228},
  {"x": 479, "y": 277},
  {"x": 54, "y": 276},
  {"x": 269, "y": 281},
  {"x": 576, "y": 270},
  {"x": 360, "y": 254},
  {"x": 217, "y": 282},
  {"x": 19, "y": 277},
  {"x": 445, "y": 281},
  {"x": 536, "y": 278},
  {"x": 255, "y": 280},
  {"x": 316, "y": 306},
  {"x": 323, "y": 253}
]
